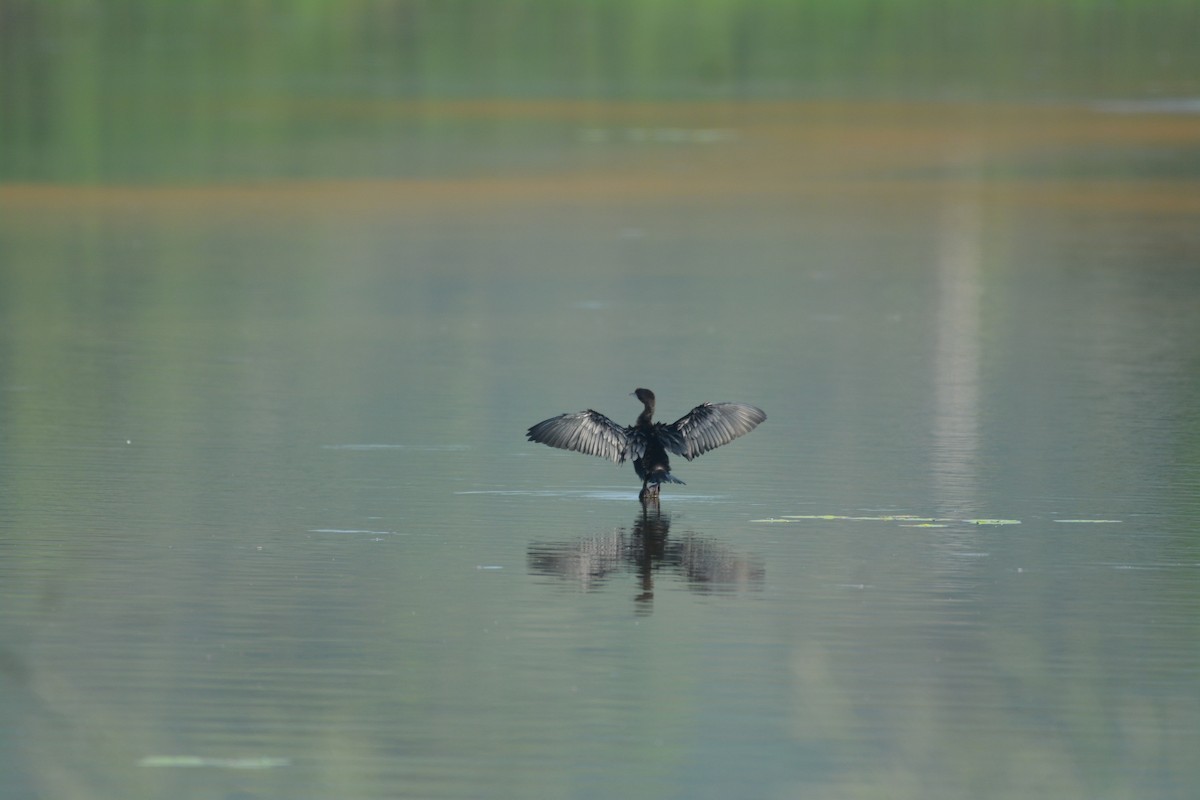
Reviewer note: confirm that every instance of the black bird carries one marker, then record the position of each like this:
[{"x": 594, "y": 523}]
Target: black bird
[{"x": 703, "y": 428}]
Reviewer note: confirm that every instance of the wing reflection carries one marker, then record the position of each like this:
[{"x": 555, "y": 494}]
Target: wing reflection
[{"x": 645, "y": 548}]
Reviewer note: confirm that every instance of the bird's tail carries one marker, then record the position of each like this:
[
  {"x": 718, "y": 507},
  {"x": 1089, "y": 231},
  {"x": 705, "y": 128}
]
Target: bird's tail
[{"x": 666, "y": 477}]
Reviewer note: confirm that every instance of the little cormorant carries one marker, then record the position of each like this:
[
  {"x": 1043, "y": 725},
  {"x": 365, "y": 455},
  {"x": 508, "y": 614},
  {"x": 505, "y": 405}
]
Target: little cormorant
[{"x": 703, "y": 428}]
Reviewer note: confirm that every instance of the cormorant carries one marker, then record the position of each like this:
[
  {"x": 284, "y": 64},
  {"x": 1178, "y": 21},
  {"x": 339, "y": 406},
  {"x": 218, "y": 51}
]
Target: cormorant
[{"x": 705, "y": 427}]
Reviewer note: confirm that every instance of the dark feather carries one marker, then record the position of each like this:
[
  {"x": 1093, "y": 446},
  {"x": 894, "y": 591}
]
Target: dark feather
[
  {"x": 646, "y": 442},
  {"x": 709, "y": 426},
  {"x": 588, "y": 432}
]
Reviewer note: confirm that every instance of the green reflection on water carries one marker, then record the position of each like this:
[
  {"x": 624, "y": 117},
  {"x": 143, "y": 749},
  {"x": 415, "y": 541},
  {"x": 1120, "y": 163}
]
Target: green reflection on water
[{"x": 148, "y": 91}]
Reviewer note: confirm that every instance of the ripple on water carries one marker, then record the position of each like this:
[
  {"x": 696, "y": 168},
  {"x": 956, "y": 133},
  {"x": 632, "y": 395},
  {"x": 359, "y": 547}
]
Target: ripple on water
[{"x": 421, "y": 448}]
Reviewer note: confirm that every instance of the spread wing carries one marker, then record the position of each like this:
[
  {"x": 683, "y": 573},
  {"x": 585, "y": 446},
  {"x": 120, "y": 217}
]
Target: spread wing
[
  {"x": 708, "y": 426},
  {"x": 588, "y": 432}
]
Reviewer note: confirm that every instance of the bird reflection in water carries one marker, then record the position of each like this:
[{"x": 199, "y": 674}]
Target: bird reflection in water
[{"x": 646, "y": 549}]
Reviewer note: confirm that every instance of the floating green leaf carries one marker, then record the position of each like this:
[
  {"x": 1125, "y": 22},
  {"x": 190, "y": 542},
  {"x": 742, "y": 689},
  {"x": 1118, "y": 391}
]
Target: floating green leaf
[{"x": 905, "y": 520}]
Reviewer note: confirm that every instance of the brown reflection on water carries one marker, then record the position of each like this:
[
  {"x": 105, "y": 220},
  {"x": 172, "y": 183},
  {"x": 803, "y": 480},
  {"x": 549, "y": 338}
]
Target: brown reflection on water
[{"x": 719, "y": 154}]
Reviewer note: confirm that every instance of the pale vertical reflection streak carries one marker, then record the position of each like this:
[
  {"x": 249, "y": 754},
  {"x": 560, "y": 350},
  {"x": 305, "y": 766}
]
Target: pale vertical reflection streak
[{"x": 955, "y": 451}]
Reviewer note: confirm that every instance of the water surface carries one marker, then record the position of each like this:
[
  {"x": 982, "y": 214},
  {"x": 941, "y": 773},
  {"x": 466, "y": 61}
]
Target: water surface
[{"x": 269, "y": 526}]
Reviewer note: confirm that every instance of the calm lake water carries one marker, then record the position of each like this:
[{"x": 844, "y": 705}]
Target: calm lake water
[{"x": 269, "y": 527}]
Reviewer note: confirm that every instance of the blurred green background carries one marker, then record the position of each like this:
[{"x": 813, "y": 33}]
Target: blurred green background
[{"x": 178, "y": 91}]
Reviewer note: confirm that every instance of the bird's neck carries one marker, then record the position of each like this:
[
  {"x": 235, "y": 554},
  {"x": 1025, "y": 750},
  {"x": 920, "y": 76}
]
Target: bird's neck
[{"x": 643, "y": 420}]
